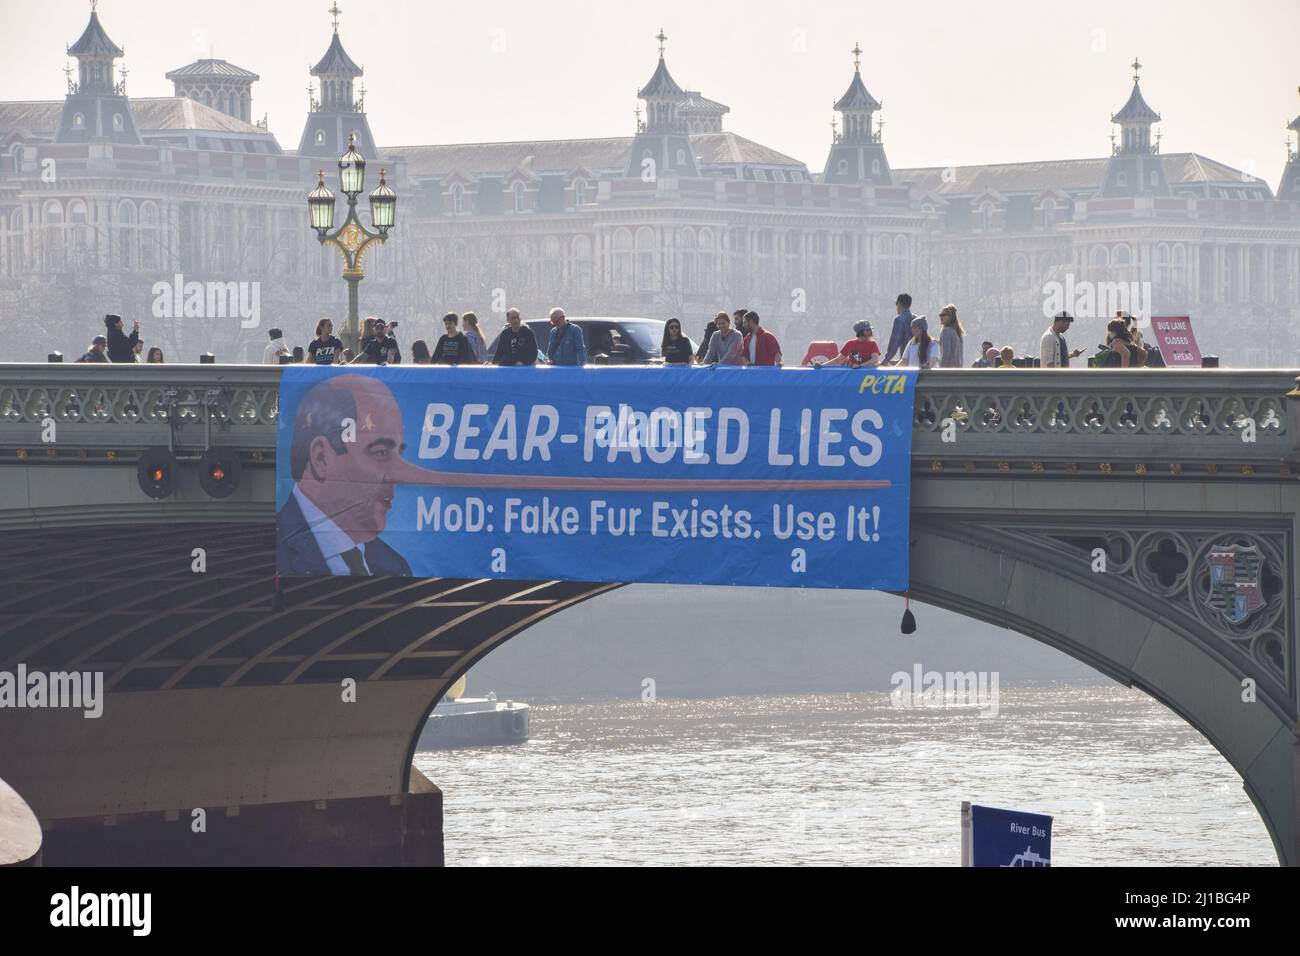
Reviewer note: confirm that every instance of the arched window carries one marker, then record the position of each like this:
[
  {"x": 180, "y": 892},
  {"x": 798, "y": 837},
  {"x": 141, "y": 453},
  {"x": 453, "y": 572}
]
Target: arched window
[
  {"x": 150, "y": 237},
  {"x": 1049, "y": 213},
  {"x": 986, "y": 216},
  {"x": 580, "y": 264},
  {"x": 1020, "y": 271},
  {"x": 708, "y": 256},
  {"x": 647, "y": 261},
  {"x": 53, "y": 239},
  {"x": 457, "y": 199},
  {"x": 1121, "y": 255},
  {"x": 320, "y": 137},
  {"x": 78, "y": 121},
  {"x": 79, "y": 234},
  {"x": 622, "y": 261},
  {"x": 1100, "y": 257},
  {"x": 681, "y": 159},
  {"x": 518, "y": 190},
  {"x": 579, "y": 192},
  {"x": 875, "y": 167},
  {"x": 1121, "y": 179},
  {"x": 128, "y": 238},
  {"x": 842, "y": 167},
  {"x": 118, "y": 123}
]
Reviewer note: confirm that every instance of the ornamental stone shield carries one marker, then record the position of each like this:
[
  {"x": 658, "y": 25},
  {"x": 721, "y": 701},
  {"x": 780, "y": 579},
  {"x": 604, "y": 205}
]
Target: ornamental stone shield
[{"x": 1234, "y": 581}]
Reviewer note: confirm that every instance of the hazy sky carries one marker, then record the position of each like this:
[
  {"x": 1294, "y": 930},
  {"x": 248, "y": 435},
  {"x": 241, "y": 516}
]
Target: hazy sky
[{"x": 1000, "y": 81}]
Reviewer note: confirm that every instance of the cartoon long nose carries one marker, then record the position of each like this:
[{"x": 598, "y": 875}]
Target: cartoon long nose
[{"x": 404, "y": 472}]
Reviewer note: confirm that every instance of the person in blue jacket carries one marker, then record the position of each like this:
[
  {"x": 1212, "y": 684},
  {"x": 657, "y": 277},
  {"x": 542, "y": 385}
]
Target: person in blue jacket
[{"x": 565, "y": 344}]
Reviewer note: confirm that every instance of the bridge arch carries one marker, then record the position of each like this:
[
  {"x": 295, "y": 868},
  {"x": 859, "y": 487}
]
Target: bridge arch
[{"x": 1036, "y": 578}]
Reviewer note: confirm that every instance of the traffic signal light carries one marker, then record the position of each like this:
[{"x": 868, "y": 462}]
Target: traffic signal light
[
  {"x": 156, "y": 472},
  {"x": 219, "y": 471}
]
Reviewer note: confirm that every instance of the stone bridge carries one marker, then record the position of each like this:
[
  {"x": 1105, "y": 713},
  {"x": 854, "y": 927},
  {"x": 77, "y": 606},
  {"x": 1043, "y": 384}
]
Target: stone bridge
[{"x": 223, "y": 687}]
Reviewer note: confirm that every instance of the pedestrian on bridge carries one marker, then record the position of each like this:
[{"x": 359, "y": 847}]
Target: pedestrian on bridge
[
  {"x": 121, "y": 347},
  {"x": 477, "y": 345},
  {"x": 950, "y": 335},
  {"x": 901, "y": 333},
  {"x": 98, "y": 351},
  {"x": 725, "y": 344},
  {"x": 760, "y": 346},
  {"x": 565, "y": 345},
  {"x": 1052, "y": 350},
  {"x": 862, "y": 349},
  {"x": 274, "y": 348}
]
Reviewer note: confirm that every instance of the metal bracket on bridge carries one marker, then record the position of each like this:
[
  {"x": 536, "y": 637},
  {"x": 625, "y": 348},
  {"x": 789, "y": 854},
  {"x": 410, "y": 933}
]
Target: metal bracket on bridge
[{"x": 215, "y": 403}]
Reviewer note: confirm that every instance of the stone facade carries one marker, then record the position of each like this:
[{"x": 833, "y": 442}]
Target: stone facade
[{"x": 682, "y": 217}]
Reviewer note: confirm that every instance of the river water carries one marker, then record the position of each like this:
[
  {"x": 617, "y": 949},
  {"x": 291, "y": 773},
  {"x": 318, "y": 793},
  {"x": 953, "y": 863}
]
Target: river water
[{"x": 844, "y": 779}]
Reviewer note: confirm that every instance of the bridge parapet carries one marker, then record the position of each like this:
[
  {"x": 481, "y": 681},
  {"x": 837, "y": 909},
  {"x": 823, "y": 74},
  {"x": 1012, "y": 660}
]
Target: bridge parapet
[{"x": 1072, "y": 421}]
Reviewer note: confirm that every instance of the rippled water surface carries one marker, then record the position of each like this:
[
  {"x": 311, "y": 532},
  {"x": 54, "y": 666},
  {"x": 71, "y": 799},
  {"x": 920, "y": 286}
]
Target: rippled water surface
[{"x": 844, "y": 778}]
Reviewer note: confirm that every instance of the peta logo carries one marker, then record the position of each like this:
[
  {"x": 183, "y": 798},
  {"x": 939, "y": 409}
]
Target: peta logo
[
  {"x": 103, "y": 909},
  {"x": 208, "y": 300}
]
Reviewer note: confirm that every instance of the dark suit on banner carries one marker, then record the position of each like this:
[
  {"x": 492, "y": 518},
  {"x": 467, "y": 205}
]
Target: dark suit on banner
[{"x": 297, "y": 551}]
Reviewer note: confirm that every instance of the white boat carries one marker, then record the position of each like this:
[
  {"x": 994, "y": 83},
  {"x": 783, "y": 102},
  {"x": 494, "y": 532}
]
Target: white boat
[{"x": 474, "y": 722}]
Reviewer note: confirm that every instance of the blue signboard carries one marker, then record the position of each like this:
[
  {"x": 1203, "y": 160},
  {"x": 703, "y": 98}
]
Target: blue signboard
[
  {"x": 994, "y": 837},
  {"x": 723, "y": 475}
]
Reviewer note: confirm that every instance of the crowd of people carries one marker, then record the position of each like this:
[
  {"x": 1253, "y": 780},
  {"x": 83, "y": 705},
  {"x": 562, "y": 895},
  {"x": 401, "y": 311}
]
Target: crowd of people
[{"x": 736, "y": 338}]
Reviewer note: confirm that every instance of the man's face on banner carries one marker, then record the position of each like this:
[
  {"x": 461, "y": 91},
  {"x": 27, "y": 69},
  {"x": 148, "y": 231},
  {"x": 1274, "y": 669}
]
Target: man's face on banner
[{"x": 355, "y": 487}]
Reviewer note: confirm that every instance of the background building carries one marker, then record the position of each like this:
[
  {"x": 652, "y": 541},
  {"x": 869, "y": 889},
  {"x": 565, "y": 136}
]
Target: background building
[{"x": 108, "y": 202}]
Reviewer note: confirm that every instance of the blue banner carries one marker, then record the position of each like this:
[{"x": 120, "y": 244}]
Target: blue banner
[
  {"x": 1007, "y": 838},
  {"x": 722, "y": 475}
]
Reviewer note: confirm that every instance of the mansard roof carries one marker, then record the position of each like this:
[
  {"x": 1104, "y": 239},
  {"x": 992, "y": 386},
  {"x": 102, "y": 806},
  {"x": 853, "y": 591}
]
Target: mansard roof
[
  {"x": 40, "y": 118},
  {"x": 698, "y": 104},
  {"x": 94, "y": 41},
  {"x": 1136, "y": 109},
  {"x": 212, "y": 68},
  {"x": 561, "y": 156},
  {"x": 1069, "y": 176},
  {"x": 856, "y": 96},
  {"x": 154, "y": 114},
  {"x": 336, "y": 61},
  {"x": 661, "y": 84}
]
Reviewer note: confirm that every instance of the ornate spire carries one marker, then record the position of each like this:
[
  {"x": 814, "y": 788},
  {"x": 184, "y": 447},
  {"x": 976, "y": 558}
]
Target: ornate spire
[
  {"x": 856, "y": 106},
  {"x": 1135, "y": 119}
]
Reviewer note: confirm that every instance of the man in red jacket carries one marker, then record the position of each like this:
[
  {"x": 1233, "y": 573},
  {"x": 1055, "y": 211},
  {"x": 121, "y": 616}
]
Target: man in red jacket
[{"x": 760, "y": 346}]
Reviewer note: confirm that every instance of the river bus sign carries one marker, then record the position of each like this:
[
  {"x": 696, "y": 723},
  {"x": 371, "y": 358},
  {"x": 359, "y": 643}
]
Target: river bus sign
[{"x": 991, "y": 836}]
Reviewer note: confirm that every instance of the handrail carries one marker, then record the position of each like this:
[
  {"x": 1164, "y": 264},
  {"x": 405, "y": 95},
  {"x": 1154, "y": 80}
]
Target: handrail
[{"x": 1029, "y": 415}]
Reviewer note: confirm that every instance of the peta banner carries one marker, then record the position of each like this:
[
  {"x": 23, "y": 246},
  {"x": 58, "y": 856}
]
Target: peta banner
[{"x": 724, "y": 475}]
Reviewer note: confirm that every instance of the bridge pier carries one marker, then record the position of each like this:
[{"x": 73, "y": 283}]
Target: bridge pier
[{"x": 401, "y": 830}]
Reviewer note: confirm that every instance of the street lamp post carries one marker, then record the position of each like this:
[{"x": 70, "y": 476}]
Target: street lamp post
[{"x": 352, "y": 238}]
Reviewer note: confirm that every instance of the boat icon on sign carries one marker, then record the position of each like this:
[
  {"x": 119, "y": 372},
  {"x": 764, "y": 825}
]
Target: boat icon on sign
[{"x": 1028, "y": 858}]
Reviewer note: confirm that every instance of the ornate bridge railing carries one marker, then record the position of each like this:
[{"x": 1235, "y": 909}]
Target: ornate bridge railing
[{"x": 1076, "y": 422}]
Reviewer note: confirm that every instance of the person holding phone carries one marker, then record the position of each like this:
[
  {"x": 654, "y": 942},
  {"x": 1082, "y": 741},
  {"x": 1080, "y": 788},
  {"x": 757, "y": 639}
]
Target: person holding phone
[{"x": 1052, "y": 350}]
